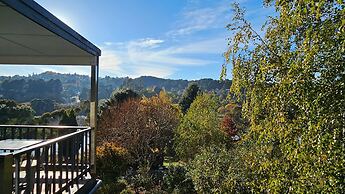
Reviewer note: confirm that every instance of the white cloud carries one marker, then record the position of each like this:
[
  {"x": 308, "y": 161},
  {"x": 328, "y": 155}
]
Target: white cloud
[
  {"x": 199, "y": 19},
  {"x": 144, "y": 57},
  {"x": 108, "y": 43},
  {"x": 110, "y": 62},
  {"x": 147, "y": 43},
  {"x": 209, "y": 46}
]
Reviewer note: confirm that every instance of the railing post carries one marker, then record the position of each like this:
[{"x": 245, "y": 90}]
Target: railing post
[
  {"x": 6, "y": 173},
  {"x": 93, "y": 112}
]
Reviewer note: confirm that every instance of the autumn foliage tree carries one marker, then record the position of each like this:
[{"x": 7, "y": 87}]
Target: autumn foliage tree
[
  {"x": 228, "y": 126},
  {"x": 144, "y": 127}
]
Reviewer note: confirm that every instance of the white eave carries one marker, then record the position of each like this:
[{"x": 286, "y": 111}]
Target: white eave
[{"x": 29, "y": 34}]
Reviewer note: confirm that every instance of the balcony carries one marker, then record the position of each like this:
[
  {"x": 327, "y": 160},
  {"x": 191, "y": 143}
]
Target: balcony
[{"x": 44, "y": 159}]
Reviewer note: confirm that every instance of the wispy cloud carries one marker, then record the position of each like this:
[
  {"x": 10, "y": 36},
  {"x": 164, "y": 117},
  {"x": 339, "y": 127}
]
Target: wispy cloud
[
  {"x": 209, "y": 46},
  {"x": 147, "y": 43},
  {"x": 163, "y": 57},
  {"x": 108, "y": 43},
  {"x": 145, "y": 57},
  {"x": 110, "y": 61},
  {"x": 194, "y": 20}
]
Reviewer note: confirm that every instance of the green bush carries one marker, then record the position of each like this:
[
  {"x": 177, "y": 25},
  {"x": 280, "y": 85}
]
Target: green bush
[
  {"x": 110, "y": 188},
  {"x": 142, "y": 180},
  {"x": 127, "y": 191},
  {"x": 176, "y": 180},
  {"x": 112, "y": 161},
  {"x": 217, "y": 170}
]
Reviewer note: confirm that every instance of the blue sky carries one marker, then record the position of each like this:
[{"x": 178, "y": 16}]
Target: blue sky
[{"x": 179, "y": 39}]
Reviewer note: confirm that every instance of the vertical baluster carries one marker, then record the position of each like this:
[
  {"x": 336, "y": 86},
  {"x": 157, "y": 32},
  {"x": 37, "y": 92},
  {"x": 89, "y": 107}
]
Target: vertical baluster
[
  {"x": 28, "y": 172},
  {"x": 72, "y": 140},
  {"x": 35, "y": 135},
  {"x": 60, "y": 163},
  {"x": 46, "y": 155},
  {"x": 16, "y": 174},
  {"x": 51, "y": 133},
  {"x": 12, "y": 133},
  {"x": 89, "y": 138},
  {"x": 20, "y": 133},
  {"x": 8, "y": 133},
  {"x": 43, "y": 133},
  {"x": 38, "y": 170},
  {"x": 67, "y": 160},
  {"x": 54, "y": 166},
  {"x": 77, "y": 159},
  {"x": 86, "y": 150},
  {"x": 28, "y": 133},
  {"x": 4, "y": 133},
  {"x": 82, "y": 154}
]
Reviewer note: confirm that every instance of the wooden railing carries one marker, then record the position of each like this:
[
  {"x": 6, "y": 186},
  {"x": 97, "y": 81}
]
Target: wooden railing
[
  {"x": 35, "y": 131},
  {"x": 52, "y": 166}
]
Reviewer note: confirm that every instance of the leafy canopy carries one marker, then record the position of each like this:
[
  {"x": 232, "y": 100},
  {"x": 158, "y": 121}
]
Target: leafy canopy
[
  {"x": 291, "y": 84},
  {"x": 199, "y": 127}
]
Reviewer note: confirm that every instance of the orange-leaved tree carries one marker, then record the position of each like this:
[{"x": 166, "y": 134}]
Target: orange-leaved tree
[{"x": 142, "y": 126}]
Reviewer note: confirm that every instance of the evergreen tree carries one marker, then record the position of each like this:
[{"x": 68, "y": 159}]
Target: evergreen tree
[{"x": 188, "y": 96}]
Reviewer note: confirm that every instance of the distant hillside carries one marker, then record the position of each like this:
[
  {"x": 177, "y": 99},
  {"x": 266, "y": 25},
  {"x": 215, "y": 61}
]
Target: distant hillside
[{"x": 79, "y": 85}]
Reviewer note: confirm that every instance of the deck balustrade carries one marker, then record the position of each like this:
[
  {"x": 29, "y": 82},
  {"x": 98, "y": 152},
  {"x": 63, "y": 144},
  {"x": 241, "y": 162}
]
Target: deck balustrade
[{"x": 57, "y": 162}]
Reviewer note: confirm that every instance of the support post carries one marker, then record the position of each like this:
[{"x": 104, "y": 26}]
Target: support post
[
  {"x": 6, "y": 172},
  {"x": 93, "y": 112}
]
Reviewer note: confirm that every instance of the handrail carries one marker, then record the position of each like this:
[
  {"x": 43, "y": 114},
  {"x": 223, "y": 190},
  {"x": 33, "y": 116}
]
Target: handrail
[
  {"x": 49, "y": 142},
  {"x": 35, "y": 131},
  {"x": 44, "y": 126}
]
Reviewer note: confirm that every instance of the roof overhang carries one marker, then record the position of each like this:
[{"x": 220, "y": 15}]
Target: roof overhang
[{"x": 29, "y": 34}]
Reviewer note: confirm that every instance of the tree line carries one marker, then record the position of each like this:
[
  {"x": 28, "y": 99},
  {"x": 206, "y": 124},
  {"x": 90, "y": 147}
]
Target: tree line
[{"x": 64, "y": 87}]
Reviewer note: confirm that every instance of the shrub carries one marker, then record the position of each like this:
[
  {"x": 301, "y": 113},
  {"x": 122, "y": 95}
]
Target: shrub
[
  {"x": 127, "y": 191},
  {"x": 110, "y": 188},
  {"x": 112, "y": 161},
  {"x": 142, "y": 180},
  {"x": 177, "y": 181},
  {"x": 218, "y": 170}
]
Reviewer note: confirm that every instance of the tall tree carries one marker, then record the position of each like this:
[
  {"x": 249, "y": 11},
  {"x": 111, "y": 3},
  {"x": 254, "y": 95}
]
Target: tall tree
[
  {"x": 188, "y": 96},
  {"x": 68, "y": 118},
  {"x": 291, "y": 83},
  {"x": 199, "y": 127},
  {"x": 119, "y": 97},
  {"x": 42, "y": 106},
  {"x": 144, "y": 127}
]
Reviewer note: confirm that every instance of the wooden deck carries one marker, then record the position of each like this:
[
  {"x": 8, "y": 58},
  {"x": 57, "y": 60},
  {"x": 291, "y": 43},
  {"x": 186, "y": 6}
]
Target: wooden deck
[{"x": 48, "y": 185}]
